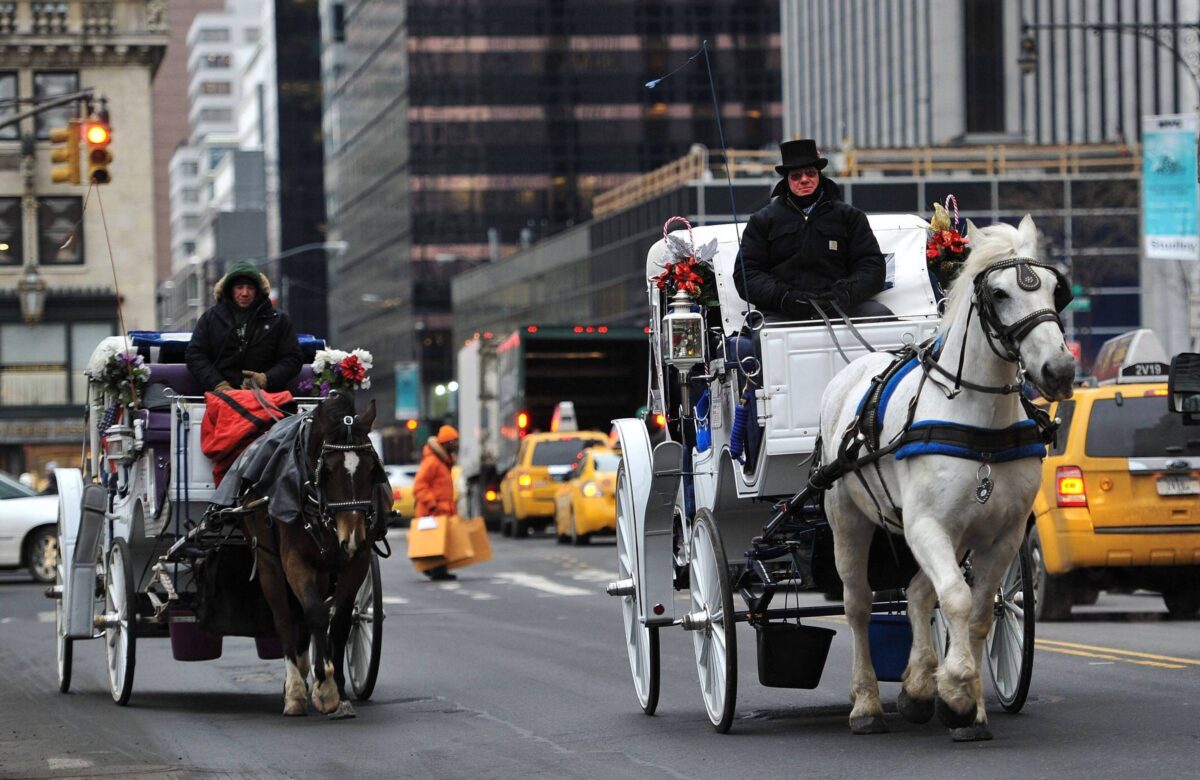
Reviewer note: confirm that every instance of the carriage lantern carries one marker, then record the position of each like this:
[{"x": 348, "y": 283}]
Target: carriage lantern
[{"x": 683, "y": 333}]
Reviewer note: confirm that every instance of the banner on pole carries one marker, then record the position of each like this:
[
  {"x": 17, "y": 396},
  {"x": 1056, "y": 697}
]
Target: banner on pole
[
  {"x": 408, "y": 390},
  {"x": 1169, "y": 187}
]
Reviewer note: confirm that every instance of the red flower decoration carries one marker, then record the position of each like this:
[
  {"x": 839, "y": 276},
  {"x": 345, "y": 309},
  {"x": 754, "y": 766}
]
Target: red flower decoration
[{"x": 351, "y": 369}]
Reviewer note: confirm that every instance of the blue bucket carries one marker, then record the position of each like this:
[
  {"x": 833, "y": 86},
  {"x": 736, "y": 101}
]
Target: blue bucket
[{"x": 890, "y": 637}]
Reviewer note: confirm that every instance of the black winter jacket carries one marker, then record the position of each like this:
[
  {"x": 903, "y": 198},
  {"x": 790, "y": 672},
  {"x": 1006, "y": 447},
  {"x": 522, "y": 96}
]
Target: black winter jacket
[
  {"x": 215, "y": 353},
  {"x": 785, "y": 254}
]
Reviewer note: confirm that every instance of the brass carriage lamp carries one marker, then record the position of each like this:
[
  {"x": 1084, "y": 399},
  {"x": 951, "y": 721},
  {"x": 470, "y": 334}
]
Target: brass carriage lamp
[
  {"x": 31, "y": 290},
  {"x": 683, "y": 333}
]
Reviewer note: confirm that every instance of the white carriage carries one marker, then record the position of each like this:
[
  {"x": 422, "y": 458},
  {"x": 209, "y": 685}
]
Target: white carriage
[
  {"x": 140, "y": 555},
  {"x": 734, "y": 532}
]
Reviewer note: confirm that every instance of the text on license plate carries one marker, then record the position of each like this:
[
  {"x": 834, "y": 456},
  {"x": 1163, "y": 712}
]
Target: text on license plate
[{"x": 1178, "y": 486}]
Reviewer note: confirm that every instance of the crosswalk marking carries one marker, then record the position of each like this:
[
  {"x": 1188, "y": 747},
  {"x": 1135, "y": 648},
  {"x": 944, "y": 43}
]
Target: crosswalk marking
[{"x": 394, "y": 600}]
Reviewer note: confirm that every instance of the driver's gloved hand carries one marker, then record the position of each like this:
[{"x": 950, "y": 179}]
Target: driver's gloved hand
[{"x": 796, "y": 306}]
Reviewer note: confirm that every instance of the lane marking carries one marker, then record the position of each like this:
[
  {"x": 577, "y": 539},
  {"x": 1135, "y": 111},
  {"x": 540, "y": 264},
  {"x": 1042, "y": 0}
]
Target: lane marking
[
  {"x": 594, "y": 575},
  {"x": 1104, "y": 656},
  {"x": 1174, "y": 661},
  {"x": 394, "y": 600},
  {"x": 544, "y": 584},
  {"x": 58, "y": 764},
  {"x": 46, "y": 617}
]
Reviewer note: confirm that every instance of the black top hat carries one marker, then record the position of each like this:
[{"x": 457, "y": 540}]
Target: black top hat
[{"x": 800, "y": 154}]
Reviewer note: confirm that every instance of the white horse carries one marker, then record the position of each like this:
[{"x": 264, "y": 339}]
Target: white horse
[{"x": 1000, "y": 322}]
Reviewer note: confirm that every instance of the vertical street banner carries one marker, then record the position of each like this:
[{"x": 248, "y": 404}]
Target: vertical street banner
[
  {"x": 408, "y": 390},
  {"x": 1169, "y": 188}
]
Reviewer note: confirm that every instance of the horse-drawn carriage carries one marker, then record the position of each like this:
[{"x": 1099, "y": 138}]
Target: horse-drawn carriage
[
  {"x": 724, "y": 510},
  {"x": 144, "y": 554}
]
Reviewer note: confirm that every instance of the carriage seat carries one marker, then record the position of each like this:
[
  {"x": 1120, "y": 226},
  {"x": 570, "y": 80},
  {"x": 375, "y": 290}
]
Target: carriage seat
[{"x": 176, "y": 378}]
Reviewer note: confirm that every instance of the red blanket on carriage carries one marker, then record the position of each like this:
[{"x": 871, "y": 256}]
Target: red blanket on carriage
[{"x": 234, "y": 419}]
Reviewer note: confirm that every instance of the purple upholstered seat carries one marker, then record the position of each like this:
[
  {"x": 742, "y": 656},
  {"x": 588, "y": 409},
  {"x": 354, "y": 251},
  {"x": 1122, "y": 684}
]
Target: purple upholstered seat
[{"x": 177, "y": 377}]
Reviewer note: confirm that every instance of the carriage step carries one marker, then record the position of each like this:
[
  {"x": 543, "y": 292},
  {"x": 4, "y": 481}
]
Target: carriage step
[{"x": 621, "y": 588}]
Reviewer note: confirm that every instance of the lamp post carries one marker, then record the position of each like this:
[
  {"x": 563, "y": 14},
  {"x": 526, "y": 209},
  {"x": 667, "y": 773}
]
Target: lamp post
[
  {"x": 31, "y": 289},
  {"x": 1165, "y": 35}
]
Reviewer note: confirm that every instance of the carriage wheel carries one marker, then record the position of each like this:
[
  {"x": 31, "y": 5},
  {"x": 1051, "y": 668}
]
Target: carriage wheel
[
  {"x": 64, "y": 645},
  {"x": 714, "y": 628},
  {"x": 120, "y": 633},
  {"x": 366, "y": 634},
  {"x": 1010, "y": 642},
  {"x": 641, "y": 642}
]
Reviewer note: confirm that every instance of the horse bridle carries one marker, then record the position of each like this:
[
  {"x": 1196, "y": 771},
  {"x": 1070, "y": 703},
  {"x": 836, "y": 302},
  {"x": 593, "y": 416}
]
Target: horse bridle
[
  {"x": 315, "y": 495},
  {"x": 1008, "y": 335}
]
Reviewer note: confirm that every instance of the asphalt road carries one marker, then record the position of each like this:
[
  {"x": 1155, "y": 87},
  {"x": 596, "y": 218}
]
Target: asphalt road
[{"x": 518, "y": 670}]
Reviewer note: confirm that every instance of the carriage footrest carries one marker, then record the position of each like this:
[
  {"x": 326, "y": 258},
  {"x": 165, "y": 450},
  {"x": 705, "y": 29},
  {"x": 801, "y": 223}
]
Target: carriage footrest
[{"x": 791, "y": 655}]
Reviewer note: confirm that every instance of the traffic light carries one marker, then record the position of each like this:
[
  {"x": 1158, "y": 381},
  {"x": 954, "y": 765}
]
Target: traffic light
[
  {"x": 97, "y": 133},
  {"x": 65, "y": 151}
]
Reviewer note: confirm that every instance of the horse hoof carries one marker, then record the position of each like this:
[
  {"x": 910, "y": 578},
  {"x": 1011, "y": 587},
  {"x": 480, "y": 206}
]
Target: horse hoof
[
  {"x": 976, "y": 732},
  {"x": 951, "y": 719},
  {"x": 291, "y": 708},
  {"x": 868, "y": 724},
  {"x": 344, "y": 710},
  {"x": 914, "y": 710}
]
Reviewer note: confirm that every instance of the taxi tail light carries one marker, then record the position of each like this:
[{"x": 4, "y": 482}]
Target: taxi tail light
[
  {"x": 590, "y": 489},
  {"x": 524, "y": 480},
  {"x": 490, "y": 495},
  {"x": 395, "y": 494},
  {"x": 1068, "y": 486}
]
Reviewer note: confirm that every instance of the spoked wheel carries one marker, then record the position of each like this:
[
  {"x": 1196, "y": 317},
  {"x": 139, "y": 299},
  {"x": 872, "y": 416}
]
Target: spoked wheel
[
  {"x": 641, "y": 642},
  {"x": 120, "y": 633},
  {"x": 366, "y": 634},
  {"x": 712, "y": 622},
  {"x": 1010, "y": 642}
]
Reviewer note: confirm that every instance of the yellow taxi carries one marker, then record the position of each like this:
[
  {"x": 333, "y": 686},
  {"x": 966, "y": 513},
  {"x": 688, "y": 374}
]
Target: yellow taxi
[
  {"x": 587, "y": 502},
  {"x": 528, "y": 488},
  {"x": 400, "y": 477},
  {"x": 1120, "y": 500}
]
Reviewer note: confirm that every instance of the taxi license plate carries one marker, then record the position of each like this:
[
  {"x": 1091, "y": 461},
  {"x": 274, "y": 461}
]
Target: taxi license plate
[{"x": 1178, "y": 486}]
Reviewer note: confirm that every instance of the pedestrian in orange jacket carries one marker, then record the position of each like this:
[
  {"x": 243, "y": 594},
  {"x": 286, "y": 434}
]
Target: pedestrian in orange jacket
[{"x": 433, "y": 487}]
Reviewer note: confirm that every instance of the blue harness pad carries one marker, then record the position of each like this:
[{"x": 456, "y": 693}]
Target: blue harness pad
[
  {"x": 888, "y": 389},
  {"x": 939, "y": 437}
]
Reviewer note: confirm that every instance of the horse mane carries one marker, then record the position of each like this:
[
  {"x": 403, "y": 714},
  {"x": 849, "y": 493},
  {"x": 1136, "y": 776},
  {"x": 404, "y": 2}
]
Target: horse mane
[{"x": 988, "y": 245}]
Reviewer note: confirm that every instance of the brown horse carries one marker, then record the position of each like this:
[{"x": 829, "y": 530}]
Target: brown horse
[{"x": 310, "y": 570}]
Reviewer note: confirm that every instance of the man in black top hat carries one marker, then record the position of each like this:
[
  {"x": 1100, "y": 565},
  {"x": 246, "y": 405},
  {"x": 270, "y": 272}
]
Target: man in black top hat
[
  {"x": 808, "y": 245},
  {"x": 242, "y": 339}
]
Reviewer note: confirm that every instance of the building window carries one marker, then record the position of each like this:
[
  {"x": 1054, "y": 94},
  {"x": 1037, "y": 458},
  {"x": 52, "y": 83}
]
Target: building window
[
  {"x": 339, "y": 22},
  {"x": 216, "y": 61},
  {"x": 216, "y": 115},
  {"x": 33, "y": 364},
  {"x": 213, "y": 35},
  {"x": 8, "y": 106},
  {"x": 216, "y": 88},
  {"x": 49, "y": 84},
  {"x": 11, "y": 236},
  {"x": 190, "y": 169},
  {"x": 190, "y": 195},
  {"x": 60, "y": 231},
  {"x": 191, "y": 221},
  {"x": 983, "y": 22},
  {"x": 250, "y": 35},
  {"x": 189, "y": 248}
]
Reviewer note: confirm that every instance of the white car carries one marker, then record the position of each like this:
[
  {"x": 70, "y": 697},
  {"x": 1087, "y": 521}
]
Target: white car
[{"x": 28, "y": 529}]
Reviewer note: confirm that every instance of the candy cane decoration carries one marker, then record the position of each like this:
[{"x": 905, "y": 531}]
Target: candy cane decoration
[
  {"x": 688, "y": 225},
  {"x": 952, "y": 207}
]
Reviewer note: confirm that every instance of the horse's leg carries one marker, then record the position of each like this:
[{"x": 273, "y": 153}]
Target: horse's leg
[
  {"x": 917, "y": 693},
  {"x": 275, "y": 590},
  {"x": 937, "y": 557},
  {"x": 316, "y": 616},
  {"x": 988, "y": 570},
  {"x": 852, "y": 534},
  {"x": 349, "y": 582}
]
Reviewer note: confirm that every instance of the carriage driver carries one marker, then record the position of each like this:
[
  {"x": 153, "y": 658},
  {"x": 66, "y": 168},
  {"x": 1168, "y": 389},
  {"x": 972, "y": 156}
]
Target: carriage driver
[
  {"x": 243, "y": 337},
  {"x": 807, "y": 244}
]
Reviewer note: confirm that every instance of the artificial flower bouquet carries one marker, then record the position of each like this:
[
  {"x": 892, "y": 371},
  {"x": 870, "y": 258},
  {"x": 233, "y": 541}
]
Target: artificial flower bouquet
[
  {"x": 946, "y": 249},
  {"x": 691, "y": 269},
  {"x": 334, "y": 369},
  {"x": 123, "y": 375}
]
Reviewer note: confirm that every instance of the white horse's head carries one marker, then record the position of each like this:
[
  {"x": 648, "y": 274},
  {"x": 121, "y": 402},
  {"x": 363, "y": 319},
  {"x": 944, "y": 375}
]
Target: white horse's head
[{"x": 1018, "y": 300}]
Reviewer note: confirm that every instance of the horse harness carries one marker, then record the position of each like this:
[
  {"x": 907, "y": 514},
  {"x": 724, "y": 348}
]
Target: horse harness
[{"x": 1024, "y": 439}]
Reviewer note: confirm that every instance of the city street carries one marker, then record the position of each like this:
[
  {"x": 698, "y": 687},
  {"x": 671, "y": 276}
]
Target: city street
[{"x": 518, "y": 670}]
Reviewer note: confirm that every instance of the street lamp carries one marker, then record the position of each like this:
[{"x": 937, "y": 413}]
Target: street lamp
[{"x": 31, "y": 289}]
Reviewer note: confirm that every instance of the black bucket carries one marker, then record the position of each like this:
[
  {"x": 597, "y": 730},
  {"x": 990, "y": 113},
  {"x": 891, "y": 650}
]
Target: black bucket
[{"x": 791, "y": 655}]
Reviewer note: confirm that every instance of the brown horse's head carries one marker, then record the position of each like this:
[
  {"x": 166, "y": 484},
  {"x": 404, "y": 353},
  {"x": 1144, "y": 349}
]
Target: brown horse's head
[{"x": 345, "y": 468}]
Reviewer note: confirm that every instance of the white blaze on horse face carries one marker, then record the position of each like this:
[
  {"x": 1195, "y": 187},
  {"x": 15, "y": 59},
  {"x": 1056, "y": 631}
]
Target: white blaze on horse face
[{"x": 350, "y": 461}]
